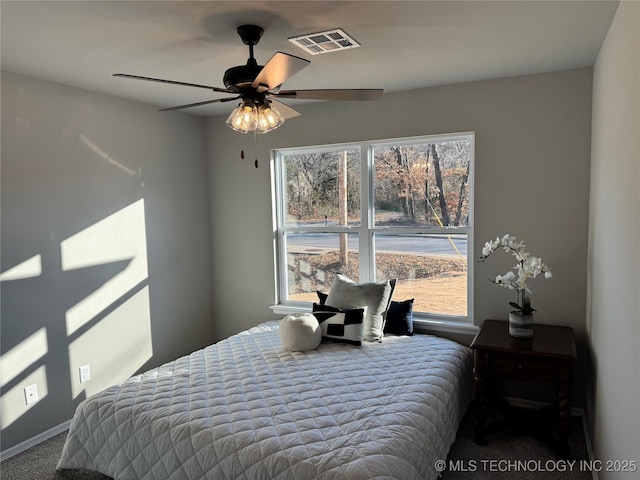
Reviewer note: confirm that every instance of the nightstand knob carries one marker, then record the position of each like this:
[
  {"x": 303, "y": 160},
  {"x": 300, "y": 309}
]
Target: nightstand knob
[{"x": 520, "y": 366}]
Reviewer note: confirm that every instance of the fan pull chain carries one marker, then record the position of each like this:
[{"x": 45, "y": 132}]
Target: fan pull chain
[
  {"x": 255, "y": 151},
  {"x": 255, "y": 147}
]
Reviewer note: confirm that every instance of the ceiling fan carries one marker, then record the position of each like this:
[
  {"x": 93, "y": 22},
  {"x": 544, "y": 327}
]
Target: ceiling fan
[{"x": 258, "y": 88}]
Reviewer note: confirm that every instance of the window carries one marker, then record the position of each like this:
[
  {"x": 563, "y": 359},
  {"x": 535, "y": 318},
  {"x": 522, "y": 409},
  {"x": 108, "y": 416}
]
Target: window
[{"x": 378, "y": 210}]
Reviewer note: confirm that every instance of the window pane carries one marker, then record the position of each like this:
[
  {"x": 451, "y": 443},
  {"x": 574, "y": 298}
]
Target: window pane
[
  {"x": 322, "y": 188},
  {"x": 314, "y": 258},
  {"x": 422, "y": 184},
  {"x": 431, "y": 269}
]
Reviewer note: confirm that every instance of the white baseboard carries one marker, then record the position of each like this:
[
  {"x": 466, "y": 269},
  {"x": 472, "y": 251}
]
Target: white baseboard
[
  {"x": 32, "y": 442},
  {"x": 587, "y": 441}
]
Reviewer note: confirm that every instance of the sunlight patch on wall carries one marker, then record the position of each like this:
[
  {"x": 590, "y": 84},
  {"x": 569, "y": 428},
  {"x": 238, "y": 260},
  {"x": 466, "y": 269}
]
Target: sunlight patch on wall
[
  {"x": 115, "y": 347},
  {"x": 121, "y": 236},
  {"x": 12, "y": 403},
  {"x": 116, "y": 340},
  {"x": 20, "y": 357},
  {"x": 106, "y": 157},
  {"x": 28, "y": 269}
]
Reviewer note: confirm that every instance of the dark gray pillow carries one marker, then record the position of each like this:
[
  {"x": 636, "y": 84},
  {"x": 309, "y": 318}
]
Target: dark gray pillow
[
  {"x": 400, "y": 318},
  {"x": 322, "y": 297}
]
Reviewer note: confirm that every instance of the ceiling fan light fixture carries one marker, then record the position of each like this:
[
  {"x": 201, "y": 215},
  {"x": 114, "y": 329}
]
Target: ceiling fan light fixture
[
  {"x": 243, "y": 117},
  {"x": 269, "y": 118},
  {"x": 248, "y": 117}
]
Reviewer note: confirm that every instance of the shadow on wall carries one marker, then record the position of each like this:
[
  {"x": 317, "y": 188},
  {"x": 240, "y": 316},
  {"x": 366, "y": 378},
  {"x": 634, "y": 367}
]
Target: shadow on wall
[{"x": 82, "y": 300}]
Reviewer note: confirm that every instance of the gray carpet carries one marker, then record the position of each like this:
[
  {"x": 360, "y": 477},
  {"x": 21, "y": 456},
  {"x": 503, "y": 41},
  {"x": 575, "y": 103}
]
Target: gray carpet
[
  {"x": 514, "y": 453},
  {"x": 509, "y": 454}
]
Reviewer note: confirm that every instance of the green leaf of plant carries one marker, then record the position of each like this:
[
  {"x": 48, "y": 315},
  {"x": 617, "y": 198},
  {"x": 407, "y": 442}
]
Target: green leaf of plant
[{"x": 515, "y": 305}]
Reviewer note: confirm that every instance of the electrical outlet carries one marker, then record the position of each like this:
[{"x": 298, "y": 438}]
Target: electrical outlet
[
  {"x": 85, "y": 374},
  {"x": 31, "y": 394}
]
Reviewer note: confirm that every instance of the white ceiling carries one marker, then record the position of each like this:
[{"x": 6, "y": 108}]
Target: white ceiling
[{"x": 405, "y": 45}]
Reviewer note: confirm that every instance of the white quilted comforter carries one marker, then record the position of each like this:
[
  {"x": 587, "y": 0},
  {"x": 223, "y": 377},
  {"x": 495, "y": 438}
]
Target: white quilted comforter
[{"x": 246, "y": 408}]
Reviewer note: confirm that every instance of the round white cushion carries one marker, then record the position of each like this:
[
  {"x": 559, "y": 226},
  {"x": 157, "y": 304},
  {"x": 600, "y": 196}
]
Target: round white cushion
[{"x": 300, "y": 332}]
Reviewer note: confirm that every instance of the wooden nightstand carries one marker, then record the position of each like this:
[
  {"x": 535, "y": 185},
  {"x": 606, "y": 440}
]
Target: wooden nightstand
[{"x": 546, "y": 358}]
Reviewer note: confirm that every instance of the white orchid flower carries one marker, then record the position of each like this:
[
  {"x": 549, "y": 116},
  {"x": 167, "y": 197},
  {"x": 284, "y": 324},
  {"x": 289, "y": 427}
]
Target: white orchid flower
[
  {"x": 508, "y": 239},
  {"x": 533, "y": 266},
  {"x": 506, "y": 278},
  {"x": 527, "y": 267},
  {"x": 522, "y": 276}
]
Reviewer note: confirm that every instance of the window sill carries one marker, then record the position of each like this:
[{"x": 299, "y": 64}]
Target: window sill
[
  {"x": 421, "y": 325},
  {"x": 424, "y": 325},
  {"x": 282, "y": 309}
]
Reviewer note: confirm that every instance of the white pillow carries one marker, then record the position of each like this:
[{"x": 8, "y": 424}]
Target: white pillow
[
  {"x": 375, "y": 297},
  {"x": 344, "y": 326},
  {"x": 300, "y": 332}
]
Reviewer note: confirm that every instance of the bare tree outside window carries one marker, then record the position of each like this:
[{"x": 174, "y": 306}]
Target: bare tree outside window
[{"x": 422, "y": 184}]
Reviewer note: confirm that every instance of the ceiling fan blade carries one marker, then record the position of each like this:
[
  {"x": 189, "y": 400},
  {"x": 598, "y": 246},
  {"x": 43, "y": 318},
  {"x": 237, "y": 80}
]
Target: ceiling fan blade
[
  {"x": 197, "y": 104},
  {"x": 172, "y": 82},
  {"x": 332, "y": 94},
  {"x": 285, "y": 110},
  {"x": 279, "y": 67}
]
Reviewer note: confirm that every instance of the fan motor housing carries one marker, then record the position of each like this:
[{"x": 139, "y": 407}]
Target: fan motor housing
[{"x": 241, "y": 76}]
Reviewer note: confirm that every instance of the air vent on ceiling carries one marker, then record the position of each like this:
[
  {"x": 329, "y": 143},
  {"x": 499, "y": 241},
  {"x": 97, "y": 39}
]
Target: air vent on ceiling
[{"x": 324, "y": 42}]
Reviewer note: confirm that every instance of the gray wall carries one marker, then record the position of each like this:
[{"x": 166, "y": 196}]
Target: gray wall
[
  {"x": 532, "y": 181},
  {"x": 105, "y": 245},
  {"x": 613, "y": 321}
]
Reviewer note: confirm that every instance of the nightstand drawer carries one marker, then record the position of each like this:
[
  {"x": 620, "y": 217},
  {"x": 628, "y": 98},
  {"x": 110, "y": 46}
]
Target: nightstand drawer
[{"x": 522, "y": 366}]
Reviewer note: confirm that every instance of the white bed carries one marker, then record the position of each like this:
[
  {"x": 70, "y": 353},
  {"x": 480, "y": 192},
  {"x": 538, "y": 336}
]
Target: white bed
[{"x": 247, "y": 408}]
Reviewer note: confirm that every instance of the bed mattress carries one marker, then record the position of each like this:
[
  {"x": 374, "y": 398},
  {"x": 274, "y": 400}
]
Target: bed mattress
[{"x": 247, "y": 408}]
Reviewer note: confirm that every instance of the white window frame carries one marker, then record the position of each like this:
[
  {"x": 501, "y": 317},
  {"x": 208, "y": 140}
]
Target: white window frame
[{"x": 367, "y": 230}]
